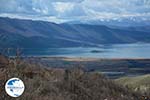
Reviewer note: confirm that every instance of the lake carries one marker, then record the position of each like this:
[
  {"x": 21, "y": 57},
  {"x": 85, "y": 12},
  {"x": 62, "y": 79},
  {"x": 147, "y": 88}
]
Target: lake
[{"x": 139, "y": 50}]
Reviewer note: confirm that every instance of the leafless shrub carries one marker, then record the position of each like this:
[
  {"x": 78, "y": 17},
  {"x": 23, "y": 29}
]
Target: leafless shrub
[{"x": 57, "y": 84}]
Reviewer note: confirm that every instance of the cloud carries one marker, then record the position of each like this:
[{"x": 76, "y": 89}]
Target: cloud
[
  {"x": 66, "y": 10},
  {"x": 62, "y": 7},
  {"x": 118, "y": 6}
]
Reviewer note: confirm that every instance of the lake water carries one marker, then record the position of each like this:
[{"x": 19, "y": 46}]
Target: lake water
[{"x": 106, "y": 51}]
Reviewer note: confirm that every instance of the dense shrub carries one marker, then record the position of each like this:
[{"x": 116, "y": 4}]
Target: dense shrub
[{"x": 44, "y": 83}]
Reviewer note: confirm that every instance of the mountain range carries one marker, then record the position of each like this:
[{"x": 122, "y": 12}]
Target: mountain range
[
  {"x": 124, "y": 22},
  {"x": 42, "y": 34}
]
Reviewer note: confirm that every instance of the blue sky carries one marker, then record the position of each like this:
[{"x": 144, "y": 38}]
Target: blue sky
[{"x": 69, "y": 10}]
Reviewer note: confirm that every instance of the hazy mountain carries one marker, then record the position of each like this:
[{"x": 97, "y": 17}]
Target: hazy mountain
[
  {"x": 121, "y": 22},
  {"x": 37, "y": 34}
]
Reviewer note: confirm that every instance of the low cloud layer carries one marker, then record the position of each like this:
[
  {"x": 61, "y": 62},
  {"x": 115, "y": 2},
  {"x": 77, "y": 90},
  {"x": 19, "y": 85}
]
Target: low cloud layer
[{"x": 69, "y": 10}]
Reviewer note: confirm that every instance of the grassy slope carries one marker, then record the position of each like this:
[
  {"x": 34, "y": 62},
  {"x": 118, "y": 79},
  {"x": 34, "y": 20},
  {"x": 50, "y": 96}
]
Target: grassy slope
[{"x": 141, "y": 83}]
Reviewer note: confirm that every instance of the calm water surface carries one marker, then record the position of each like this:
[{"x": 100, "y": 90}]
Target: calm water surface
[{"x": 106, "y": 51}]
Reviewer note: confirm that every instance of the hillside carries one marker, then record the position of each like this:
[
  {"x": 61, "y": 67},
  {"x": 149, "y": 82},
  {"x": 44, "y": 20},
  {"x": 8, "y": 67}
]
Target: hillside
[
  {"x": 44, "y": 83},
  {"x": 40, "y": 34},
  {"x": 138, "y": 83}
]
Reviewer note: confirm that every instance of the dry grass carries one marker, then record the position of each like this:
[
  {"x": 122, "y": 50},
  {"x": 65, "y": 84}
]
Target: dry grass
[
  {"x": 138, "y": 83},
  {"x": 44, "y": 83}
]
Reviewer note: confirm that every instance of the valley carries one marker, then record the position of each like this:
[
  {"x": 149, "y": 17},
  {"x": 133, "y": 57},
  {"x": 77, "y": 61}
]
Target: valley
[{"x": 113, "y": 68}]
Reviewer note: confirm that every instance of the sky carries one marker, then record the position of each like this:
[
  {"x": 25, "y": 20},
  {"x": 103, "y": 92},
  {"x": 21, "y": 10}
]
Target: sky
[{"x": 72, "y": 10}]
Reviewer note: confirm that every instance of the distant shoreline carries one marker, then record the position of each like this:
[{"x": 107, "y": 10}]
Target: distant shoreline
[{"x": 83, "y": 58}]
